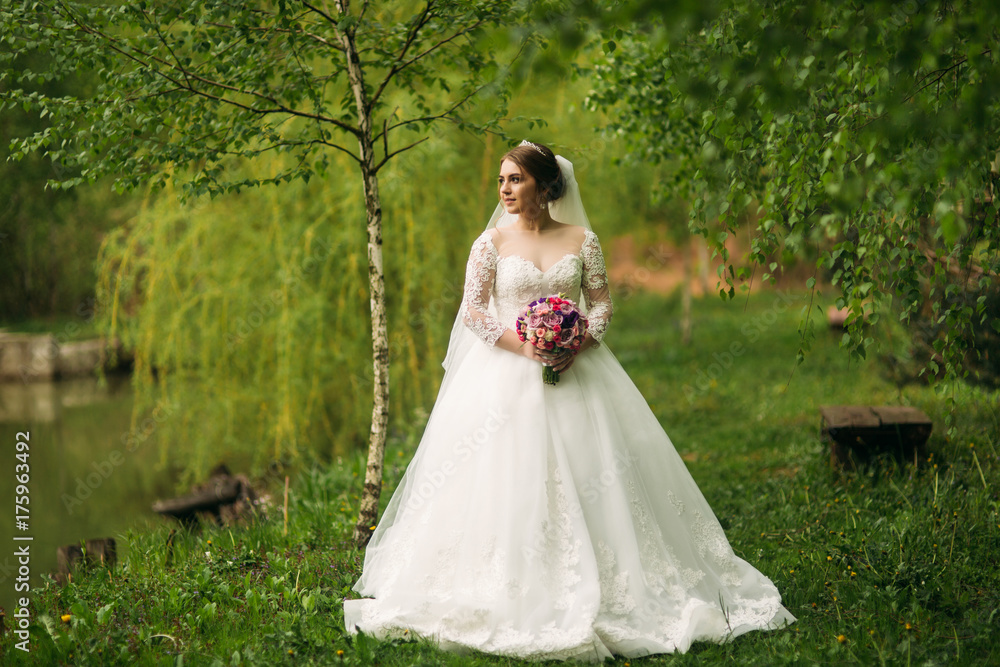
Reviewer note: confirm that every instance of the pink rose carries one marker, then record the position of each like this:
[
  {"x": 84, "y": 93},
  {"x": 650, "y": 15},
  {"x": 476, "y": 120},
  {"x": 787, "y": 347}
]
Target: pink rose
[{"x": 534, "y": 320}]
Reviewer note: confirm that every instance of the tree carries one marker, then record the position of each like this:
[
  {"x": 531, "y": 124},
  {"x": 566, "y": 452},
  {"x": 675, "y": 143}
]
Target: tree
[
  {"x": 43, "y": 278},
  {"x": 861, "y": 134},
  {"x": 198, "y": 86}
]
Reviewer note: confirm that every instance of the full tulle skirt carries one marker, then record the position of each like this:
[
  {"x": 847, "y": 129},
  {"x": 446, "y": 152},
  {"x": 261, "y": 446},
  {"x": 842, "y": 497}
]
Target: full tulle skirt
[{"x": 553, "y": 522}]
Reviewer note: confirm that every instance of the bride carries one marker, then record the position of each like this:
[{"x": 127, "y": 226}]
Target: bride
[{"x": 549, "y": 521}]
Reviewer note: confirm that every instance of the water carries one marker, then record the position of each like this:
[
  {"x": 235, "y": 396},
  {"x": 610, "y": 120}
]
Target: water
[{"x": 84, "y": 482}]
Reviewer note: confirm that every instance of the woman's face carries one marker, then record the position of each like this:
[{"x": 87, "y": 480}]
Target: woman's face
[{"x": 518, "y": 190}]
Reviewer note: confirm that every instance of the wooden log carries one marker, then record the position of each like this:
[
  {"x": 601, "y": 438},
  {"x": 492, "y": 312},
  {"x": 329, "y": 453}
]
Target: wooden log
[
  {"x": 223, "y": 491},
  {"x": 224, "y": 498},
  {"x": 68, "y": 557},
  {"x": 856, "y": 433},
  {"x": 103, "y": 552}
]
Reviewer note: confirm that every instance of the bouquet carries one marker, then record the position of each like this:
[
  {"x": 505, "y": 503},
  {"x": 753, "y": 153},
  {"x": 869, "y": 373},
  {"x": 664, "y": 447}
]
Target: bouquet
[{"x": 552, "y": 323}]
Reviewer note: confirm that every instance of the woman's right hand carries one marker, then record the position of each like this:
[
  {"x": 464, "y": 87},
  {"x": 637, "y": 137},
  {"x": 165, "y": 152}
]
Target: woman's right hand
[{"x": 533, "y": 353}]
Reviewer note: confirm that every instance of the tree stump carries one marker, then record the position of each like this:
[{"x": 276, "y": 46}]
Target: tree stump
[
  {"x": 103, "y": 552},
  {"x": 857, "y": 433}
]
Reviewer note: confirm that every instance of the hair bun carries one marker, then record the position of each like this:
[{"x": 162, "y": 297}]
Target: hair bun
[{"x": 557, "y": 188}]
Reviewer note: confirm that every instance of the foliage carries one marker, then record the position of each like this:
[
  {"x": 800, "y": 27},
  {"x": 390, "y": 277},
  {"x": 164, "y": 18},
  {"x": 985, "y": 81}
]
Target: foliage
[
  {"x": 255, "y": 304},
  {"x": 201, "y": 84},
  {"x": 874, "y": 557},
  {"x": 193, "y": 86},
  {"x": 861, "y": 134},
  {"x": 48, "y": 240}
]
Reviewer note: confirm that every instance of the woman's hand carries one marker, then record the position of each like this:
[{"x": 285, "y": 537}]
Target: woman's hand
[{"x": 559, "y": 359}]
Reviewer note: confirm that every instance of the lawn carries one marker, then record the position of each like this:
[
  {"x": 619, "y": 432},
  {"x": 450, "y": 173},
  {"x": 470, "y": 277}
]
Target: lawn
[{"x": 893, "y": 564}]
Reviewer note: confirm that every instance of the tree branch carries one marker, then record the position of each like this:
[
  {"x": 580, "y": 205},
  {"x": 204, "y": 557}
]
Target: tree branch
[
  {"x": 305, "y": 33},
  {"x": 389, "y": 156},
  {"x": 399, "y": 67},
  {"x": 410, "y": 38},
  {"x": 330, "y": 19},
  {"x": 189, "y": 75},
  {"x": 940, "y": 75}
]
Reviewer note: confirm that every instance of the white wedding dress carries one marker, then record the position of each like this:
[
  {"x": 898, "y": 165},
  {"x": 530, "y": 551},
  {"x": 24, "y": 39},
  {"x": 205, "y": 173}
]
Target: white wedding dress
[{"x": 551, "y": 522}]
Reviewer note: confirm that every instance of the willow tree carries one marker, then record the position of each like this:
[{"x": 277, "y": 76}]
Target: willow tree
[
  {"x": 190, "y": 87},
  {"x": 862, "y": 134}
]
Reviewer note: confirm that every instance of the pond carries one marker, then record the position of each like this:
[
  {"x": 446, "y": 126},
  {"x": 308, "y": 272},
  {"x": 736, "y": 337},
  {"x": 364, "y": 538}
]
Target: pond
[{"x": 85, "y": 482}]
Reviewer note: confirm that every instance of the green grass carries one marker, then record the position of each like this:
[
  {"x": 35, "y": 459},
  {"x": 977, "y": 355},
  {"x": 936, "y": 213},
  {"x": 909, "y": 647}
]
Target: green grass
[{"x": 890, "y": 565}]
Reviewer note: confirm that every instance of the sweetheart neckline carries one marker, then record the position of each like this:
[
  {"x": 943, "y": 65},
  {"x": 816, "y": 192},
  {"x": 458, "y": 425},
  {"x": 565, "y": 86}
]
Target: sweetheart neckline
[{"x": 534, "y": 266}]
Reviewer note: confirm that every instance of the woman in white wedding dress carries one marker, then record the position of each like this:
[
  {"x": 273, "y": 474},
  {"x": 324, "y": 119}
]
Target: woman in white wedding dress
[{"x": 549, "y": 521}]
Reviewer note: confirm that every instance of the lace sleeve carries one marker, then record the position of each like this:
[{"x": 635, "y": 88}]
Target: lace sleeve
[
  {"x": 595, "y": 287},
  {"x": 480, "y": 273}
]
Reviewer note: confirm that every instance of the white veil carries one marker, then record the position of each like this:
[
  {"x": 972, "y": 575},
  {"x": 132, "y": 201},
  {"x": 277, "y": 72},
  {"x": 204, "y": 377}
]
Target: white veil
[{"x": 568, "y": 209}]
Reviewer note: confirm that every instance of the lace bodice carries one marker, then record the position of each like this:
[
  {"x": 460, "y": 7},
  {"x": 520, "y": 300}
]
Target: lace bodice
[{"x": 512, "y": 282}]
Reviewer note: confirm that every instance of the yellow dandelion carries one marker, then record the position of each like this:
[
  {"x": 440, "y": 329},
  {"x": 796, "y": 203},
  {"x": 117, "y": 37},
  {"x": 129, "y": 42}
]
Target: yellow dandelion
[
  {"x": 340, "y": 653},
  {"x": 829, "y": 557},
  {"x": 909, "y": 627},
  {"x": 841, "y": 638},
  {"x": 65, "y": 618}
]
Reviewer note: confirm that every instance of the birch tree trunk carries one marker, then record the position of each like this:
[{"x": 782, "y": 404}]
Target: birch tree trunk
[
  {"x": 686, "y": 295},
  {"x": 368, "y": 513}
]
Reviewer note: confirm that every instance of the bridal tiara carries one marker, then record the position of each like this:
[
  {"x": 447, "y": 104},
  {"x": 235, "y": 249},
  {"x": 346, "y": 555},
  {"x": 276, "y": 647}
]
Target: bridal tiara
[{"x": 535, "y": 146}]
